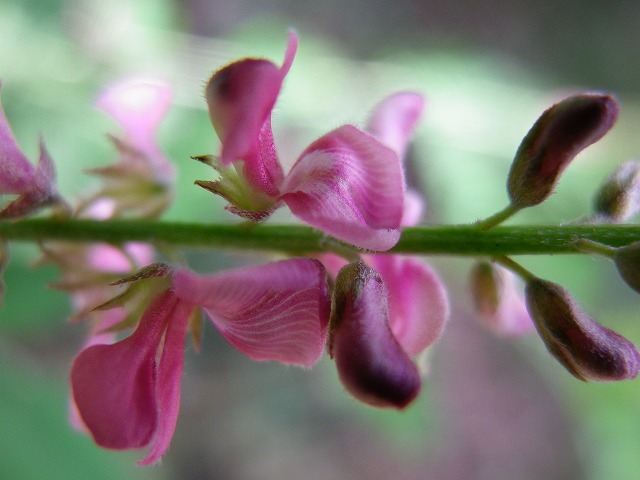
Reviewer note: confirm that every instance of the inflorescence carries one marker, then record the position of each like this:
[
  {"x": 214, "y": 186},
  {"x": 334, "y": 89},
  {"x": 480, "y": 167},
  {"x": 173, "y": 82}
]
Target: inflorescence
[{"x": 374, "y": 312}]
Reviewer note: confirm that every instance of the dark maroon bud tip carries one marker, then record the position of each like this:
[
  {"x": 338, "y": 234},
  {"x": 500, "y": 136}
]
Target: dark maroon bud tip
[{"x": 561, "y": 132}]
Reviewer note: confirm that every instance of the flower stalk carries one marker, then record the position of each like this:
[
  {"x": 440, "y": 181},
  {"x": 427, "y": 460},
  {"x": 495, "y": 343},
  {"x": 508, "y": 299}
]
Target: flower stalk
[{"x": 455, "y": 240}]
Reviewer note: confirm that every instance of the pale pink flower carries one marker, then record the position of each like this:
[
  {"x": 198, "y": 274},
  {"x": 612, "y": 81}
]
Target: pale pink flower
[
  {"x": 142, "y": 180},
  {"x": 128, "y": 399},
  {"x": 346, "y": 183},
  {"x": 34, "y": 187}
]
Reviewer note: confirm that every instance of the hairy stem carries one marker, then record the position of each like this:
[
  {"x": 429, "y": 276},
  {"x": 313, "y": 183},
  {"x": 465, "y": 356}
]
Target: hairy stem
[{"x": 456, "y": 240}]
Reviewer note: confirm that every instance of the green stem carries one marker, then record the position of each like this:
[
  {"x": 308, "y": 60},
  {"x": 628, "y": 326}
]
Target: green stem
[
  {"x": 515, "y": 267},
  {"x": 457, "y": 240},
  {"x": 497, "y": 218}
]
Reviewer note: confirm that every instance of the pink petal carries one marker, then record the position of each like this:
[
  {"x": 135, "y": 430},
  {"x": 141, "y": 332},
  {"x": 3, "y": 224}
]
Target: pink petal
[
  {"x": 511, "y": 317},
  {"x": 240, "y": 98},
  {"x": 35, "y": 187},
  {"x": 114, "y": 386},
  {"x": 413, "y": 208},
  {"x": 277, "y": 311},
  {"x": 138, "y": 105},
  {"x": 332, "y": 263},
  {"x": 108, "y": 258},
  {"x": 350, "y": 186},
  {"x": 372, "y": 365},
  {"x": 40, "y": 192},
  {"x": 169, "y": 378},
  {"x": 395, "y": 118},
  {"x": 418, "y": 303},
  {"x": 16, "y": 173}
]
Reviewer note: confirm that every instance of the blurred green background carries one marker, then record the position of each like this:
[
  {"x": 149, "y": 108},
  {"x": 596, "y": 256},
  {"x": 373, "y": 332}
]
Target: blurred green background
[{"x": 491, "y": 408}]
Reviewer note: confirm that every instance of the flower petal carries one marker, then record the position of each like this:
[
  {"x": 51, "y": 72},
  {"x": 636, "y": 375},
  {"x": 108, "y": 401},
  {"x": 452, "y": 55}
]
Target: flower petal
[
  {"x": 277, "y": 311},
  {"x": 372, "y": 365},
  {"x": 114, "y": 386},
  {"x": 138, "y": 105},
  {"x": 498, "y": 303},
  {"x": 35, "y": 186},
  {"x": 169, "y": 378},
  {"x": 350, "y": 186},
  {"x": 395, "y": 118},
  {"x": 240, "y": 98},
  {"x": 418, "y": 303},
  {"x": 16, "y": 173}
]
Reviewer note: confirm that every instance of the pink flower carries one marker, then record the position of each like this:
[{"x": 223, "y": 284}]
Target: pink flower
[
  {"x": 347, "y": 183},
  {"x": 127, "y": 399},
  {"x": 34, "y": 187},
  {"x": 142, "y": 180},
  {"x": 403, "y": 304}
]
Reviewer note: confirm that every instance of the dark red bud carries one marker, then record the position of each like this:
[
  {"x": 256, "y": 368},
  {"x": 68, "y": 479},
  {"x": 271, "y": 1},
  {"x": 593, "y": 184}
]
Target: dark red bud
[
  {"x": 588, "y": 350},
  {"x": 371, "y": 364},
  {"x": 561, "y": 132},
  {"x": 627, "y": 260},
  {"x": 619, "y": 196}
]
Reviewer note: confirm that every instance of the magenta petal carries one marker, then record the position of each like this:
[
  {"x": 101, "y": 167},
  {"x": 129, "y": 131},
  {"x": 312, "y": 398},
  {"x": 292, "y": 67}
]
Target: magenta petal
[
  {"x": 240, "y": 98},
  {"x": 418, "y": 302},
  {"x": 277, "y": 311},
  {"x": 114, "y": 385},
  {"x": 38, "y": 190},
  {"x": 350, "y": 186},
  {"x": 395, "y": 118},
  {"x": 169, "y": 378}
]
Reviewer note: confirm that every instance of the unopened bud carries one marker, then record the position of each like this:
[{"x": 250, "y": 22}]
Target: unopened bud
[
  {"x": 588, "y": 350},
  {"x": 561, "y": 132},
  {"x": 627, "y": 261},
  {"x": 619, "y": 196},
  {"x": 371, "y": 364},
  {"x": 497, "y": 302},
  {"x": 486, "y": 288}
]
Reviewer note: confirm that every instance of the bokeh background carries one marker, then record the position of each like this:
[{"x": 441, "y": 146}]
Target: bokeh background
[{"x": 491, "y": 408}]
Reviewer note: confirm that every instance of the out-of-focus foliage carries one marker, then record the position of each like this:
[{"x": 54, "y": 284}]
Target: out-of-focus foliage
[{"x": 247, "y": 420}]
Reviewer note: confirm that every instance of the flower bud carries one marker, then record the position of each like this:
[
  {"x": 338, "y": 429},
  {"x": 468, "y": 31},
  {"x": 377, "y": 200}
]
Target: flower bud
[
  {"x": 486, "y": 288},
  {"x": 588, "y": 350},
  {"x": 371, "y": 364},
  {"x": 627, "y": 260},
  {"x": 497, "y": 301},
  {"x": 561, "y": 132},
  {"x": 619, "y": 196}
]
